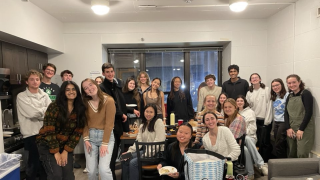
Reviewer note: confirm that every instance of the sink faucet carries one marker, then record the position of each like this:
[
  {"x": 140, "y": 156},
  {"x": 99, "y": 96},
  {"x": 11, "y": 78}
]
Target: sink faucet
[{"x": 3, "y": 119}]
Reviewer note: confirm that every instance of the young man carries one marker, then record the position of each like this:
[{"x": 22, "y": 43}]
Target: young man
[
  {"x": 121, "y": 125},
  {"x": 66, "y": 75},
  {"x": 31, "y": 107},
  {"x": 49, "y": 70},
  {"x": 235, "y": 85},
  {"x": 211, "y": 88}
]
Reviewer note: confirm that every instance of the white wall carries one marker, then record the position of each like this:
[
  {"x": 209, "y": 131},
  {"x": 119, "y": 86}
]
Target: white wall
[
  {"x": 293, "y": 47},
  {"x": 29, "y": 22}
]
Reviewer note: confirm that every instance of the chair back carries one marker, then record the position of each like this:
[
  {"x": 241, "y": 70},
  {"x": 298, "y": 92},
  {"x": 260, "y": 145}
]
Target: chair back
[{"x": 152, "y": 153}]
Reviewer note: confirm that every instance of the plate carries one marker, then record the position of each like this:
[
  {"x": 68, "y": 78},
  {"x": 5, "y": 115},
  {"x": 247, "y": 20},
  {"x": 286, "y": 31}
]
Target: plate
[
  {"x": 7, "y": 132},
  {"x": 165, "y": 170},
  {"x": 131, "y": 105}
]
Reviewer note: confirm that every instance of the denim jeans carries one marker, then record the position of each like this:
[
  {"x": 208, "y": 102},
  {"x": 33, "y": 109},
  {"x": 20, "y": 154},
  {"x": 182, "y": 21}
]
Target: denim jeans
[
  {"x": 252, "y": 155},
  {"x": 96, "y": 136},
  {"x": 130, "y": 169}
]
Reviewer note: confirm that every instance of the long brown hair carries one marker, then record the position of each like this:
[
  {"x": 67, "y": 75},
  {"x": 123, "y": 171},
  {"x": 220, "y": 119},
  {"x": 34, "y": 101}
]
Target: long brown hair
[
  {"x": 261, "y": 84},
  {"x": 86, "y": 98},
  {"x": 136, "y": 95},
  {"x": 283, "y": 90},
  {"x": 219, "y": 105},
  {"x": 181, "y": 93},
  {"x": 230, "y": 119},
  {"x": 301, "y": 86}
]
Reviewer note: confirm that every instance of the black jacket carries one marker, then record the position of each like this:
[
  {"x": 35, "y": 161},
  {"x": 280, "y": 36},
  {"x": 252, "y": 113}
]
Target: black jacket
[
  {"x": 183, "y": 109},
  {"x": 235, "y": 89},
  {"x": 112, "y": 89}
]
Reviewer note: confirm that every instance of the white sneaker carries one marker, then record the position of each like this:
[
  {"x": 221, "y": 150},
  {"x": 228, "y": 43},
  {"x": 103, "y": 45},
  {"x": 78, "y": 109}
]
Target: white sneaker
[
  {"x": 85, "y": 170},
  {"x": 264, "y": 169}
]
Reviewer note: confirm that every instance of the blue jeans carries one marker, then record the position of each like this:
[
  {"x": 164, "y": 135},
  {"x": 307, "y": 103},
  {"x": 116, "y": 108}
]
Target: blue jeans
[
  {"x": 252, "y": 155},
  {"x": 96, "y": 136}
]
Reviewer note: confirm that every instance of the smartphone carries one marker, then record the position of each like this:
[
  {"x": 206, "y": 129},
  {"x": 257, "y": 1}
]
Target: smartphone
[{"x": 125, "y": 156}]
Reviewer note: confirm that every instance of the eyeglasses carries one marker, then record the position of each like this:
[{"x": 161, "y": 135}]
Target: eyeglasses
[{"x": 50, "y": 70}]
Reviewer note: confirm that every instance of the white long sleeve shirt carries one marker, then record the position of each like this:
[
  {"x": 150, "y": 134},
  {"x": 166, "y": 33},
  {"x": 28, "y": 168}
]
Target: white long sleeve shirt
[
  {"x": 250, "y": 118},
  {"x": 31, "y": 109},
  {"x": 225, "y": 145},
  {"x": 260, "y": 103}
]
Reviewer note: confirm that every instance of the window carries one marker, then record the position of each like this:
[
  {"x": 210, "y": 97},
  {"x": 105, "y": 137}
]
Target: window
[{"x": 126, "y": 64}]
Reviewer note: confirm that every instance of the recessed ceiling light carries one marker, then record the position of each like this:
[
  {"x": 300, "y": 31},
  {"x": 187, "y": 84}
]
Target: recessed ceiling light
[
  {"x": 238, "y": 5},
  {"x": 136, "y": 61},
  {"x": 182, "y": 60},
  {"x": 178, "y": 69}
]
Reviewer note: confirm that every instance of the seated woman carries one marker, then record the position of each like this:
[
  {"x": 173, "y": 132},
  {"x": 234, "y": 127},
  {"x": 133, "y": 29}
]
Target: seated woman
[
  {"x": 151, "y": 130},
  {"x": 174, "y": 152},
  {"x": 209, "y": 106},
  {"x": 61, "y": 131},
  {"x": 250, "y": 150},
  {"x": 233, "y": 120},
  {"x": 219, "y": 139}
]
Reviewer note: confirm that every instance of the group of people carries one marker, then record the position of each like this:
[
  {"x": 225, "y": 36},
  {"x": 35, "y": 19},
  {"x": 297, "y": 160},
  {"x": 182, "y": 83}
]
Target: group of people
[{"x": 54, "y": 118}]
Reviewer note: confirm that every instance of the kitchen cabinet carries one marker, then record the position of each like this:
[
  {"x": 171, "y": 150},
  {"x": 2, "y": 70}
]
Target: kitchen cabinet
[{"x": 36, "y": 59}]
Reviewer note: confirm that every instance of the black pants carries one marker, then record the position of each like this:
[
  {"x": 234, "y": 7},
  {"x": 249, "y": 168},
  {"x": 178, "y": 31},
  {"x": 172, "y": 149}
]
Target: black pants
[
  {"x": 53, "y": 170},
  {"x": 115, "y": 155},
  {"x": 33, "y": 164},
  {"x": 263, "y": 136},
  {"x": 280, "y": 136}
]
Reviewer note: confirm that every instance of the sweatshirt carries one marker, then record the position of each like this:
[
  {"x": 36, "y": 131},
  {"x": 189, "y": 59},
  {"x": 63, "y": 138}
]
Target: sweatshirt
[
  {"x": 250, "y": 118},
  {"x": 216, "y": 91},
  {"x": 31, "y": 109}
]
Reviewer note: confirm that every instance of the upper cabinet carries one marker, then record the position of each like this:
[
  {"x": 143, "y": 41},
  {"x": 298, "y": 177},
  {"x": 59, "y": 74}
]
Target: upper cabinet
[
  {"x": 19, "y": 60},
  {"x": 36, "y": 59}
]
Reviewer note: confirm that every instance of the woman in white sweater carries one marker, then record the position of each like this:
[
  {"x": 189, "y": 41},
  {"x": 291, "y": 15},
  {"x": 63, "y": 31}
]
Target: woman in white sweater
[
  {"x": 151, "y": 130},
  {"x": 250, "y": 150},
  {"x": 258, "y": 98},
  {"x": 219, "y": 139}
]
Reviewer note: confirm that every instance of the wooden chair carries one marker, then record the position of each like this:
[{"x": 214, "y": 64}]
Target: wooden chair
[{"x": 152, "y": 154}]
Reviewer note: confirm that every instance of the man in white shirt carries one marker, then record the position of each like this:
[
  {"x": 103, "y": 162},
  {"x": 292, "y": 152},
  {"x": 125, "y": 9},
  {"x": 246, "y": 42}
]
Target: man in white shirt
[{"x": 31, "y": 107}]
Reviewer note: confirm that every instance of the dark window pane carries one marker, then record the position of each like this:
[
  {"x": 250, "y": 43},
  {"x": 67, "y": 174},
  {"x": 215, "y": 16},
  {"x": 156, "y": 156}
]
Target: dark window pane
[{"x": 126, "y": 64}]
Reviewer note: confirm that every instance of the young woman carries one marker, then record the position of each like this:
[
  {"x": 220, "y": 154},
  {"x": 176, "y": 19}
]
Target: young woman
[
  {"x": 298, "y": 117},
  {"x": 151, "y": 130},
  {"x": 222, "y": 97},
  {"x": 62, "y": 128},
  {"x": 233, "y": 120},
  {"x": 144, "y": 86},
  {"x": 99, "y": 79},
  {"x": 179, "y": 101},
  {"x": 174, "y": 152},
  {"x": 219, "y": 139},
  {"x": 258, "y": 98},
  {"x": 131, "y": 96},
  {"x": 278, "y": 97},
  {"x": 156, "y": 97},
  {"x": 98, "y": 132},
  {"x": 250, "y": 150}
]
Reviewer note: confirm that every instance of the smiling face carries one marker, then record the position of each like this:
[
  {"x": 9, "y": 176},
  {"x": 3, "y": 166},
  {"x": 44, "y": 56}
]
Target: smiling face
[
  {"x": 49, "y": 72},
  {"x": 108, "y": 73},
  {"x": 131, "y": 85},
  {"x": 33, "y": 82},
  {"x": 255, "y": 79},
  {"x": 222, "y": 98},
  {"x": 210, "y": 103},
  {"x": 176, "y": 83},
  {"x": 143, "y": 79},
  {"x": 240, "y": 103},
  {"x": 155, "y": 84},
  {"x": 210, "y": 82},
  {"x": 276, "y": 87},
  {"x": 229, "y": 109},
  {"x": 89, "y": 88},
  {"x": 71, "y": 92},
  {"x": 184, "y": 134},
  {"x": 149, "y": 113},
  {"x": 66, "y": 77},
  {"x": 233, "y": 73},
  {"x": 210, "y": 121},
  {"x": 293, "y": 84}
]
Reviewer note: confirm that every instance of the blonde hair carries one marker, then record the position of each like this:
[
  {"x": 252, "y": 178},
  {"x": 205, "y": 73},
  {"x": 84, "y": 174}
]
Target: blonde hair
[
  {"x": 205, "y": 110},
  {"x": 33, "y": 72},
  {"x": 146, "y": 75}
]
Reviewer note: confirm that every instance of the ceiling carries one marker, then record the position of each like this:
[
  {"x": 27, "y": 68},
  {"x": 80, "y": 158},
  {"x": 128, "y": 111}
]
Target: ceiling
[{"x": 166, "y": 10}]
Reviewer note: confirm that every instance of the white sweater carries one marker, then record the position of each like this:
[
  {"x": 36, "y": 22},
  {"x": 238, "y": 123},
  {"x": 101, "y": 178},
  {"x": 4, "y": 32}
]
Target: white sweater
[
  {"x": 31, "y": 109},
  {"x": 225, "y": 145},
  {"x": 250, "y": 118},
  {"x": 260, "y": 103},
  {"x": 216, "y": 91},
  {"x": 157, "y": 135}
]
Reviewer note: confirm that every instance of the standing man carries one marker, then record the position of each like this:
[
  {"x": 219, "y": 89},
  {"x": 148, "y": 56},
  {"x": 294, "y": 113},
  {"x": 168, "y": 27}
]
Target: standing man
[
  {"x": 235, "y": 85},
  {"x": 66, "y": 75},
  {"x": 110, "y": 86},
  {"x": 31, "y": 107},
  {"x": 49, "y": 70}
]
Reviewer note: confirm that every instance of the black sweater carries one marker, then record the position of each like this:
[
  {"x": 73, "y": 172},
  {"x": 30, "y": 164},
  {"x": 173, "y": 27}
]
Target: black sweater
[
  {"x": 234, "y": 89},
  {"x": 183, "y": 109},
  {"x": 129, "y": 99},
  {"x": 307, "y": 100}
]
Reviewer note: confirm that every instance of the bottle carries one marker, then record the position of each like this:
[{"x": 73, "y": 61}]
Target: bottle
[
  {"x": 172, "y": 119},
  {"x": 229, "y": 175}
]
